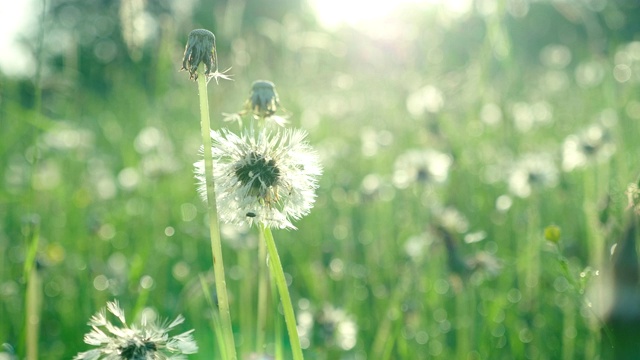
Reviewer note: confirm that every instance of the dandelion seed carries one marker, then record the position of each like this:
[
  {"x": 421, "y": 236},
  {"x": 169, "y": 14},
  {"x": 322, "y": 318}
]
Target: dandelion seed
[
  {"x": 533, "y": 171},
  {"x": 262, "y": 178},
  {"x": 147, "y": 341},
  {"x": 593, "y": 145},
  {"x": 421, "y": 166}
]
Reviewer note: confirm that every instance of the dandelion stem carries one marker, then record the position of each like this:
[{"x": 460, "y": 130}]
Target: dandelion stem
[
  {"x": 278, "y": 275},
  {"x": 214, "y": 229},
  {"x": 263, "y": 282},
  {"x": 33, "y": 296}
]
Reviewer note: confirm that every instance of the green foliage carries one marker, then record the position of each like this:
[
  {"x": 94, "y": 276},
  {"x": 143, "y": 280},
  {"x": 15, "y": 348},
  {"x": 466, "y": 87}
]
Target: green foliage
[{"x": 102, "y": 152}]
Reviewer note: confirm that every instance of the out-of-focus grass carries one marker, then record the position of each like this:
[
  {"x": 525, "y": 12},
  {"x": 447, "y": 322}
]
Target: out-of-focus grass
[{"x": 108, "y": 170}]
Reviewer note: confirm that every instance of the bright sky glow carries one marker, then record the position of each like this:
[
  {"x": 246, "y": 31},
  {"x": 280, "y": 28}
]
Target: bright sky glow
[
  {"x": 332, "y": 13},
  {"x": 15, "y": 60}
]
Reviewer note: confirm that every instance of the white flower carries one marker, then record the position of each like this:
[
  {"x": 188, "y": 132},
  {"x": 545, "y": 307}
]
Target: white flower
[
  {"x": 421, "y": 166},
  {"x": 148, "y": 341},
  {"x": 593, "y": 145},
  {"x": 262, "y": 178},
  {"x": 331, "y": 327},
  {"x": 532, "y": 171}
]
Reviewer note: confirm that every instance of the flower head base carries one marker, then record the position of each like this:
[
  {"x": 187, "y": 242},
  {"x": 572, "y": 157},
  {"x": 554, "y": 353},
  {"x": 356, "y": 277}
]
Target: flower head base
[
  {"x": 263, "y": 103},
  {"x": 268, "y": 179},
  {"x": 201, "y": 48},
  {"x": 264, "y": 99},
  {"x": 149, "y": 341}
]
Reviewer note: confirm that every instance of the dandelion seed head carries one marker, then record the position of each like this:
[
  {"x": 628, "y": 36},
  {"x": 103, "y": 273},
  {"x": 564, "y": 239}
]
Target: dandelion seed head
[
  {"x": 633, "y": 196},
  {"x": 592, "y": 145},
  {"x": 533, "y": 171},
  {"x": 421, "y": 166},
  {"x": 416, "y": 246},
  {"x": 262, "y": 178},
  {"x": 146, "y": 341},
  {"x": 329, "y": 327}
]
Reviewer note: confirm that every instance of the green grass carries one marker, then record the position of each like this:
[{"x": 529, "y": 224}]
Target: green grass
[{"x": 102, "y": 217}]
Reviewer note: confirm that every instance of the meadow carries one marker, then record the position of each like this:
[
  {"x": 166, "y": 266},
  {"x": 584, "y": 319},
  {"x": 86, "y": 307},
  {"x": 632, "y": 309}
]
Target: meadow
[{"x": 476, "y": 201}]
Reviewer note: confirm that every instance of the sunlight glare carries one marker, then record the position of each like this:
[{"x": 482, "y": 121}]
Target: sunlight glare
[
  {"x": 15, "y": 16},
  {"x": 333, "y": 13}
]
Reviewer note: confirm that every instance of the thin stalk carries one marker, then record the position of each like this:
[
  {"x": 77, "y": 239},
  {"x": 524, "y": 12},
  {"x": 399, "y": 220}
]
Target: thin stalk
[
  {"x": 33, "y": 295},
  {"x": 214, "y": 229},
  {"x": 279, "y": 338},
  {"x": 246, "y": 316},
  {"x": 215, "y": 318},
  {"x": 34, "y": 299},
  {"x": 263, "y": 288},
  {"x": 285, "y": 299}
]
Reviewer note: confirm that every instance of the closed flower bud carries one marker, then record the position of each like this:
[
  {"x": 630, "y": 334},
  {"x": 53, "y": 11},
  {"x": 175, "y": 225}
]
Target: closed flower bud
[{"x": 201, "y": 48}]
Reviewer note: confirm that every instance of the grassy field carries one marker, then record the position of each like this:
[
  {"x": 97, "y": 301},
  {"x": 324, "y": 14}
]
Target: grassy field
[{"x": 507, "y": 242}]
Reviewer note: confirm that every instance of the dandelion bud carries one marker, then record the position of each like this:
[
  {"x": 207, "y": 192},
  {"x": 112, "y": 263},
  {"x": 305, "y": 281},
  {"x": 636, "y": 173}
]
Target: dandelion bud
[
  {"x": 201, "y": 48},
  {"x": 264, "y": 98},
  {"x": 552, "y": 233}
]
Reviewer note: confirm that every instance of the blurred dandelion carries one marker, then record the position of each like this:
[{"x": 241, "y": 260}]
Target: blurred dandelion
[
  {"x": 593, "y": 145},
  {"x": 148, "y": 341},
  {"x": 238, "y": 237},
  {"x": 476, "y": 265},
  {"x": 156, "y": 149},
  {"x": 421, "y": 166},
  {"x": 633, "y": 194},
  {"x": 416, "y": 246},
  {"x": 529, "y": 115},
  {"x": 426, "y": 99},
  {"x": 450, "y": 218},
  {"x": 7, "y": 352},
  {"x": 263, "y": 103},
  {"x": 329, "y": 327},
  {"x": 263, "y": 178},
  {"x": 533, "y": 171}
]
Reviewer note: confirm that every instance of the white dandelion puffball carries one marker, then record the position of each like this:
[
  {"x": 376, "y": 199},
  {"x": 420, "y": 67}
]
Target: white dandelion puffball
[
  {"x": 265, "y": 178},
  {"x": 425, "y": 166},
  {"x": 145, "y": 341}
]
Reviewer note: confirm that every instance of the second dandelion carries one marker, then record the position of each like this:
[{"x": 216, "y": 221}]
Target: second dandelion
[{"x": 263, "y": 178}]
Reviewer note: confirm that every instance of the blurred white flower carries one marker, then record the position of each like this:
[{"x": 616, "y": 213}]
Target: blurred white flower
[
  {"x": 593, "y": 145},
  {"x": 417, "y": 245},
  {"x": 331, "y": 327},
  {"x": 421, "y": 166},
  {"x": 148, "y": 341},
  {"x": 427, "y": 99},
  {"x": 262, "y": 178},
  {"x": 531, "y": 172}
]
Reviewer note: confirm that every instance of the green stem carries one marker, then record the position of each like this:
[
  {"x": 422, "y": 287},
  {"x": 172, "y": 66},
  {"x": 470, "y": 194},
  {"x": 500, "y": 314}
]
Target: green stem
[
  {"x": 263, "y": 283},
  {"x": 281, "y": 283},
  {"x": 216, "y": 246},
  {"x": 32, "y": 315}
]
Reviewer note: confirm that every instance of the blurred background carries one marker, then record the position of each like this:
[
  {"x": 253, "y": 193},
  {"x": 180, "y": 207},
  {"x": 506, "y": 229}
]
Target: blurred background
[{"x": 475, "y": 200}]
